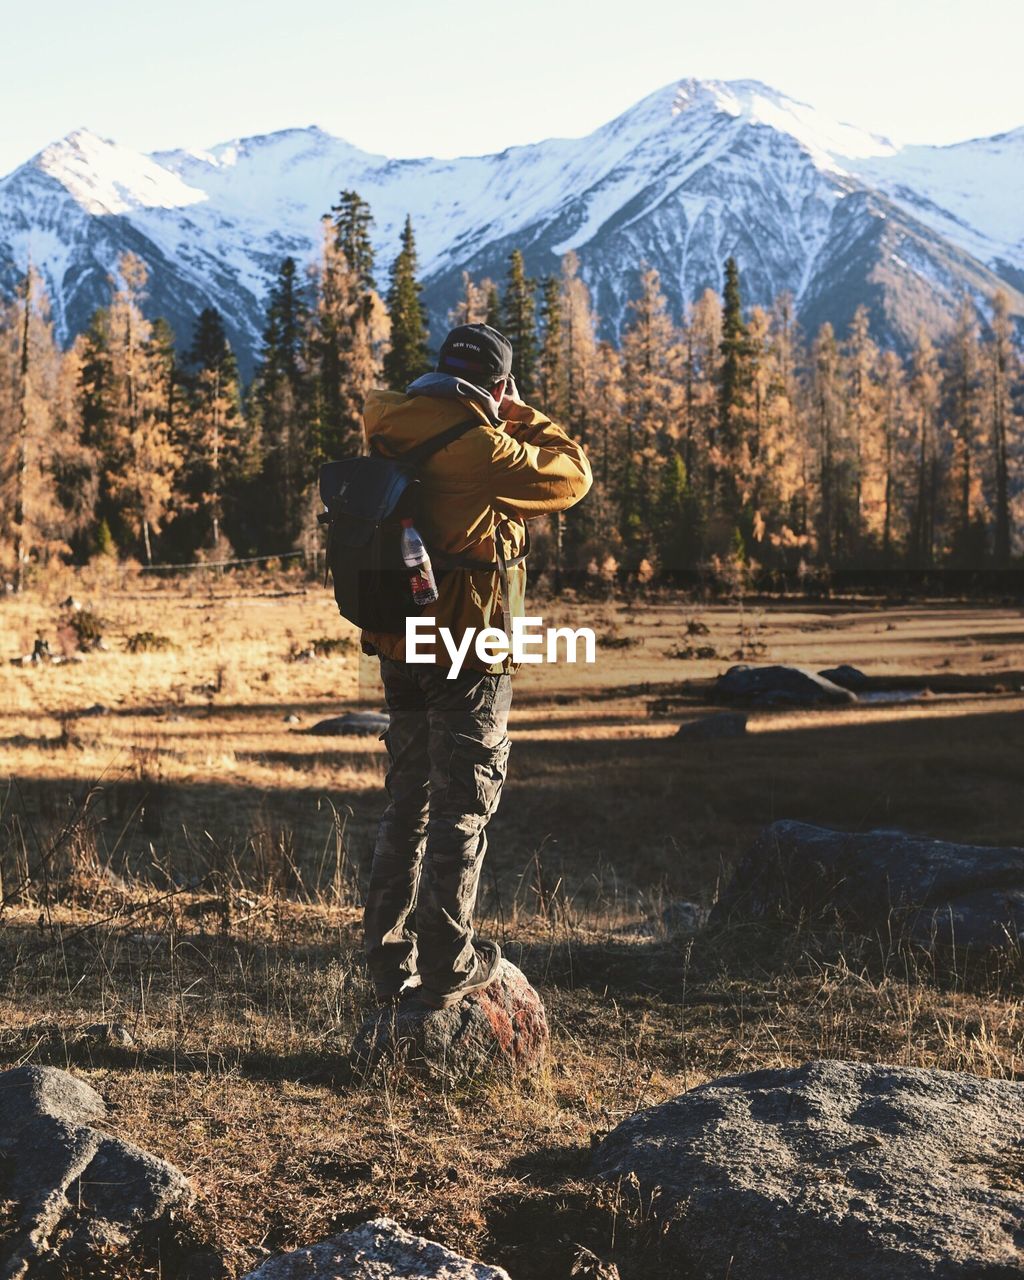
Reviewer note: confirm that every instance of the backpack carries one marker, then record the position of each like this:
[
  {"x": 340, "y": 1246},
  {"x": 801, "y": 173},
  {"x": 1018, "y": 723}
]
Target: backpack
[{"x": 366, "y": 500}]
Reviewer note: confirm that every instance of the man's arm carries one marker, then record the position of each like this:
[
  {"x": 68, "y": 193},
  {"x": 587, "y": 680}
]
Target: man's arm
[{"x": 536, "y": 468}]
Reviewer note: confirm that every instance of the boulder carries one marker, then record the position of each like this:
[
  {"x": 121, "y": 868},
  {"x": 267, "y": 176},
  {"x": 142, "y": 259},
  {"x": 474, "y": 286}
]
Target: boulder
[
  {"x": 779, "y": 686},
  {"x": 377, "y": 1250},
  {"x": 840, "y": 1169},
  {"x": 79, "y": 1193},
  {"x": 726, "y": 724},
  {"x": 847, "y": 677},
  {"x": 925, "y": 891},
  {"x": 354, "y": 724},
  {"x": 500, "y": 1031}
]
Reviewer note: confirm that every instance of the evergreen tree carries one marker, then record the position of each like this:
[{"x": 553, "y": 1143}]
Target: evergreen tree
[
  {"x": 861, "y": 479},
  {"x": 735, "y": 350},
  {"x": 551, "y": 362},
  {"x": 893, "y": 411},
  {"x": 408, "y": 357},
  {"x": 352, "y": 221},
  {"x": 826, "y": 407},
  {"x": 493, "y": 310},
  {"x": 734, "y": 382},
  {"x": 925, "y": 397},
  {"x": 1003, "y": 372},
  {"x": 519, "y": 309},
  {"x": 962, "y": 394},
  {"x": 281, "y": 401}
]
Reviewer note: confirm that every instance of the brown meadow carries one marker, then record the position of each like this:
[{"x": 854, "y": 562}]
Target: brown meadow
[{"x": 180, "y": 856}]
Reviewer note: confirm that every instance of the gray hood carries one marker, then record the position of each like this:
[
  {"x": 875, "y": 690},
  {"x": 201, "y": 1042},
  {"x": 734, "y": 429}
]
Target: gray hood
[{"x": 445, "y": 386}]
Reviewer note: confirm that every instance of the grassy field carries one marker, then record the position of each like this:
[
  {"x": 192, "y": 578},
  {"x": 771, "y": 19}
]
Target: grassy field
[{"x": 180, "y": 856}]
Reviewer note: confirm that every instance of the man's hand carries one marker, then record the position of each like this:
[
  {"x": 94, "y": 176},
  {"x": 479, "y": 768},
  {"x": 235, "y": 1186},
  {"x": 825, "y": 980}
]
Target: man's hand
[{"x": 512, "y": 408}]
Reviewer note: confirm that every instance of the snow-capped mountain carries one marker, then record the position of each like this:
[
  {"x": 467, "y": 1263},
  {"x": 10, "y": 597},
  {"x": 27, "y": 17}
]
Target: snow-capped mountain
[{"x": 693, "y": 173}]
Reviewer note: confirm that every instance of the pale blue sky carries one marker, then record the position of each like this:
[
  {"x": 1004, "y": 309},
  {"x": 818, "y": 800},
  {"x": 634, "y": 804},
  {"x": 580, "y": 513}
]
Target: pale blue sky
[{"x": 455, "y": 77}]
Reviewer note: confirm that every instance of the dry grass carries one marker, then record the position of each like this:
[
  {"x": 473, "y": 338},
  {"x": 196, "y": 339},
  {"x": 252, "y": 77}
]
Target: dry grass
[{"x": 188, "y": 865}]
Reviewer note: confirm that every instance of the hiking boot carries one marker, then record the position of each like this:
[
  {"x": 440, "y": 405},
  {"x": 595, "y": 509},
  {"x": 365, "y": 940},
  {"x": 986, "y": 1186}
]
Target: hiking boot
[{"x": 485, "y": 970}]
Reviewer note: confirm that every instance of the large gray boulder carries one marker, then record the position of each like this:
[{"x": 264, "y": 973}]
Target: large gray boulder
[
  {"x": 378, "y": 1250},
  {"x": 501, "y": 1031},
  {"x": 79, "y": 1193},
  {"x": 837, "y": 1169},
  {"x": 847, "y": 677},
  {"x": 779, "y": 686},
  {"x": 925, "y": 891}
]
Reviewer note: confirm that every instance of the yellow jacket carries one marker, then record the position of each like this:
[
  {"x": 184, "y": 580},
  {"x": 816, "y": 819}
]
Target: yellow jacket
[{"x": 484, "y": 485}]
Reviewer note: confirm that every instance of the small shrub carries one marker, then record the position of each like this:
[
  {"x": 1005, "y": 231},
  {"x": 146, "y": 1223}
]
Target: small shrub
[
  {"x": 86, "y": 628},
  {"x": 614, "y": 639},
  {"x": 703, "y": 651},
  {"x": 147, "y": 642},
  {"x": 324, "y": 647},
  {"x": 695, "y": 627}
]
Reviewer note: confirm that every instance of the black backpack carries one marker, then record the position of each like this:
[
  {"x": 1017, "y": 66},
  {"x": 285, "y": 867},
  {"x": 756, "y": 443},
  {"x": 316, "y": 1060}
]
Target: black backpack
[{"x": 366, "y": 500}]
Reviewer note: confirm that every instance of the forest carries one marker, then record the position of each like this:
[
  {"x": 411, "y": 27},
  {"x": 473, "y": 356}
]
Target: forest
[{"x": 725, "y": 443}]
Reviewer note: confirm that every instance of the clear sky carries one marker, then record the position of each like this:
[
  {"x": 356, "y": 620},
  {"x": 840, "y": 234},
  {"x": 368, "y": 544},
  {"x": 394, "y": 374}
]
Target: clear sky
[{"x": 455, "y": 77}]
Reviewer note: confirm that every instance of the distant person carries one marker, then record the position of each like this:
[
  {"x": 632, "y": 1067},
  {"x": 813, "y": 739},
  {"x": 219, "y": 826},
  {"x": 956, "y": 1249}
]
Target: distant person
[{"x": 447, "y": 742}]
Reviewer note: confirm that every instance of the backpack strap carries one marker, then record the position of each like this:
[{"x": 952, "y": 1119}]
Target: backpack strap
[{"x": 417, "y": 456}]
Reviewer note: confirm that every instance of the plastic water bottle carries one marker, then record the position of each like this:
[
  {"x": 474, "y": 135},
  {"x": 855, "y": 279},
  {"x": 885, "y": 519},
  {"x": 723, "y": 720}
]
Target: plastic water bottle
[{"x": 416, "y": 560}]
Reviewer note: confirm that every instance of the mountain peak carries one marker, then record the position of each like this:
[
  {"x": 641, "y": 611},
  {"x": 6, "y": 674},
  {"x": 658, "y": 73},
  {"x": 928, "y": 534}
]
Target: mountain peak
[
  {"x": 829, "y": 141},
  {"x": 105, "y": 177}
]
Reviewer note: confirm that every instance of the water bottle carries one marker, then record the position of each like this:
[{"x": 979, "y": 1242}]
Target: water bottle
[{"x": 416, "y": 560}]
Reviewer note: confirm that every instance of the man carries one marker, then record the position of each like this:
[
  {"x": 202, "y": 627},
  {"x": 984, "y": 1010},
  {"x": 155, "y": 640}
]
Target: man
[{"x": 447, "y": 740}]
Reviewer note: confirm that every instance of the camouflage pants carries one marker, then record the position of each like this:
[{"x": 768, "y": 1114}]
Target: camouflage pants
[{"x": 448, "y": 751}]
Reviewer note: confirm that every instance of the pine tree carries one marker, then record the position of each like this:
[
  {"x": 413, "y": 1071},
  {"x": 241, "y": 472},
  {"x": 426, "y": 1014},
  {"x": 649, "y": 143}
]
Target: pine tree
[
  {"x": 962, "y": 394},
  {"x": 349, "y": 340},
  {"x": 281, "y": 401},
  {"x": 519, "y": 308},
  {"x": 352, "y": 221},
  {"x": 551, "y": 362},
  {"x": 1003, "y": 372},
  {"x": 214, "y": 437},
  {"x": 124, "y": 413},
  {"x": 860, "y": 499},
  {"x": 925, "y": 398},
  {"x": 826, "y": 414},
  {"x": 650, "y": 364},
  {"x": 734, "y": 374},
  {"x": 493, "y": 310},
  {"x": 578, "y": 326},
  {"x": 32, "y": 433},
  {"x": 701, "y": 338},
  {"x": 676, "y": 518},
  {"x": 408, "y": 357},
  {"x": 893, "y": 412}
]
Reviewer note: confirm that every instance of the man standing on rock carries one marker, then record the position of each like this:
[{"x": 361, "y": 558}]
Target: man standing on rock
[{"x": 447, "y": 741}]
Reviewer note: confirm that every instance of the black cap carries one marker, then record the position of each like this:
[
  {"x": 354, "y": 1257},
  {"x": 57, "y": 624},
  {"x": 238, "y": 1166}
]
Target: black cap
[{"x": 477, "y": 353}]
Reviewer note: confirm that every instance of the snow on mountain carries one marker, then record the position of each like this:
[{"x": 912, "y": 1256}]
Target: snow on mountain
[
  {"x": 972, "y": 192},
  {"x": 692, "y": 173},
  {"x": 105, "y": 178}
]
